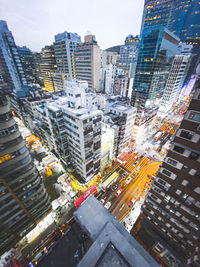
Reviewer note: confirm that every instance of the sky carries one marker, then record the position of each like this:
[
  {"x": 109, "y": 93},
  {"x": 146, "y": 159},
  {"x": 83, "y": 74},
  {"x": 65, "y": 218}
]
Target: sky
[{"x": 35, "y": 22}]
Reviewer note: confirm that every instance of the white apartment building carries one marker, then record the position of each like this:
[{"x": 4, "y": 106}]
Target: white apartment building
[{"x": 76, "y": 131}]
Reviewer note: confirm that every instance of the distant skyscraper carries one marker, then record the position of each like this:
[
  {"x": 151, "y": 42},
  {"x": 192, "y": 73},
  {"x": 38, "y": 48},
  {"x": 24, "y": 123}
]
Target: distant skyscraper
[
  {"x": 128, "y": 55},
  {"x": 23, "y": 198},
  {"x": 170, "y": 221},
  {"x": 87, "y": 57},
  {"x": 11, "y": 70},
  {"x": 28, "y": 64},
  {"x": 158, "y": 47},
  {"x": 48, "y": 67},
  {"x": 64, "y": 47},
  {"x": 181, "y": 17}
]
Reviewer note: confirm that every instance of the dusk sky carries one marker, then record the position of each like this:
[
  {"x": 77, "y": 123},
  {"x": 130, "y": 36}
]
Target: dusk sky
[{"x": 35, "y": 22}]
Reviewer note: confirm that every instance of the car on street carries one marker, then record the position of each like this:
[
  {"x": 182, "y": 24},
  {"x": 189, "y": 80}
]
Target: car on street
[
  {"x": 128, "y": 180},
  {"x": 135, "y": 163},
  {"x": 102, "y": 201},
  {"x": 118, "y": 192},
  {"x": 107, "y": 205},
  {"x": 137, "y": 169},
  {"x": 114, "y": 187}
]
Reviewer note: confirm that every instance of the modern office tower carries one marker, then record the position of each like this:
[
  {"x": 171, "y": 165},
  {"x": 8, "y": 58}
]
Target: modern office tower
[
  {"x": 181, "y": 17},
  {"x": 76, "y": 131},
  {"x": 121, "y": 85},
  {"x": 48, "y": 67},
  {"x": 158, "y": 47},
  {"x": 121, "y": 118},
  {"x": 23, "y": 198},
  {"x": 64, "y": 47},
  {"x": 11, "y": 68},
  {"x": 87, "y": 57},
  {"x": 175, "y": 81},
  {"x": 28, "y": 64},
  {"x": 170, "y": 221},
  {"x": 128, "y": 55}
]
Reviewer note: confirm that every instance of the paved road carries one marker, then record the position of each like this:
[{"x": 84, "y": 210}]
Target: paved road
[{"x": 137, "y": 170}]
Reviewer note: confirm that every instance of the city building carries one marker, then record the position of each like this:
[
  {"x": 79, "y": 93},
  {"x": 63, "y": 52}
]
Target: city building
[
  {"x": 48, "y": 67},
  {"x": 158, "y": 47},
  {"x": 108, "y": 57},
  {"x": 23, "y": 198},
  {"x": 11, "y": 71},
  {"x": 121, "y": 85},
  {"x": 181, "y": 17},
  {"x": 121, "y": 118},
  {"x": 177, "y": 75},
  {"x": 74, "y": 127},
  {"x": 64, "y": 48},
  {"x": 37, "y": 61},
  {"x": 87, "y": 57},
  {"x": 28, "y": 64},
  {"x": 110, "y": 74},
  {"x": 128, "y": 55},
  {"x": 169, "y": 224},
  {"x": 98, "y": 239}
]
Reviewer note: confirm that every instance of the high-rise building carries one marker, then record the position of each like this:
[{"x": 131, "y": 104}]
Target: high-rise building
[
  {"x": 23, "y": 198},
  {"x": 158, "y": 47},
  {"x": 181, "y": 17},
  {"x": 170, "y": 221},
  {"x": 128, "y": 55},
  {"x": 121, "y": 84},
  {"x": 48, "y": 67},
  {"x": 110, "y": 74},
  {"x": 64, "y": 47},
  {"x": 11, "y": 70},
  {"x": 76, "y": 130},
  {"x": 87, "y": 57},
  {"x": 177, "y": 75},
  {"x": 28, "y": 64},
  {"x": 121, "y": 118}
]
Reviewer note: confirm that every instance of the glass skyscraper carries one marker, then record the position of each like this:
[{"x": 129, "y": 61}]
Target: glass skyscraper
[
  {"x": 181, "y": 17},
  {"x": 158, "y": 47}
]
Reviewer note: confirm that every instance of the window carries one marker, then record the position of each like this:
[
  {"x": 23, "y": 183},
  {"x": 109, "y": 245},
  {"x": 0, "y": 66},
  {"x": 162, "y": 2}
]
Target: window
[
  {"x": 193, "y": 156},
  {"x": 171, "y": 162},
  {"x": 186, "y": 134},
  {"x": 185, "y": 168},
  {"x": 178, "y": 149},
  {"x": 166, "y": 172},
  {"x": 194, "y": 116}
]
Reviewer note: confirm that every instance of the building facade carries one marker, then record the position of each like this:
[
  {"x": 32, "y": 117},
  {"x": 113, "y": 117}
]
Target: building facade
[
  {"x": 181, "y": 17},
  {"x": 128, "y": 55},
  {"x": 23, "y": 198},
  {"x": 48, "y": 67},
  {"x": 11, "y": 70},
  {"x": 177, "y": 75},
  {"x": 28, "y": 64},
  {"x": 170, "y": 222},
  {"x": 121, "y": 118},
  {"x": 158, "y": 47},
  {"x": 64, "y": 48},
  {"x": 87, "y": 57}
]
